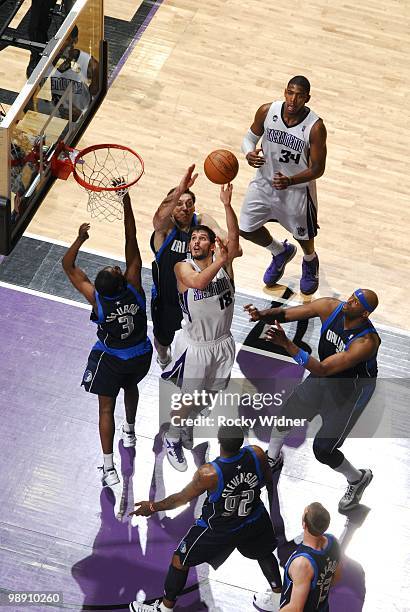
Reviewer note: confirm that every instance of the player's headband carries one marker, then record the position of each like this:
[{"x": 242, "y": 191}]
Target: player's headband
[{"x": 360, "y": 296}]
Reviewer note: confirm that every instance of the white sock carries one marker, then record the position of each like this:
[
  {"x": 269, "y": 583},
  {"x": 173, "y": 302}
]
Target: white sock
[
  {"x": 108, "y": 461},
  {"x": 129, "y": 427},
  {"x": 164, "y": 608},
  {"x": 350, "y": 472},
  {"x": 310, "y": 257},
  {"x": 275, "y": 247},
  {"x": 276, "y": 443}
]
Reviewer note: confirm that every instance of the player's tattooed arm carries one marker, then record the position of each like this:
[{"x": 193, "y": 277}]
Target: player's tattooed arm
[
  {"x": 204, "y": 479},
  {"x": 76, "y": 275},
  {"x": 162, "y": 220}
]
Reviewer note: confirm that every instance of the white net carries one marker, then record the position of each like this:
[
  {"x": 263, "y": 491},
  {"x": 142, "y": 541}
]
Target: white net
[{"x": 107, "y": 172}]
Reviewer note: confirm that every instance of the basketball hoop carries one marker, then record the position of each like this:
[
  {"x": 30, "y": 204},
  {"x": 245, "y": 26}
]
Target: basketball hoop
[{"x": 105, "y": 171}]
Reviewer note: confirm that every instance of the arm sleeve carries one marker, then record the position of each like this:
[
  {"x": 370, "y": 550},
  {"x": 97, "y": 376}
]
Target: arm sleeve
[{"x": 249, "y": 142}]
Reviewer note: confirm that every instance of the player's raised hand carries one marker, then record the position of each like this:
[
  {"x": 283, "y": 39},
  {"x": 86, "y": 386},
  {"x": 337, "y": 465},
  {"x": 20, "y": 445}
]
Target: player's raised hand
[
  {"x": 83, "y": 232},
  {"x": 253, "y": 312},
  {"x": 188, "y": 179},
  {"x": 276, "y": 335},
  {"x": 226, "y": 194},
  {"x": 221, "y": 255},
  {"x": 254, "y": 159},
  {"x": 143, "y": 509},
  {"x": 280, "y": 181}
]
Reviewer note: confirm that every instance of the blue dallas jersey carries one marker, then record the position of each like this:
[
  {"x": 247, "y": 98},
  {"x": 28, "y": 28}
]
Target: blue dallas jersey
[
  {"x": 122, "y": 324},
  {"x": 236, "y": 502},
  {"x": 334, "y": 339},
  {"x": 324, "y": 563}
]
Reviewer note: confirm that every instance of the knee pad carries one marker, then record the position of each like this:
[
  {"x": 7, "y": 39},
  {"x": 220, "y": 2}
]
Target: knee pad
[{"x": 175, "y": 582}]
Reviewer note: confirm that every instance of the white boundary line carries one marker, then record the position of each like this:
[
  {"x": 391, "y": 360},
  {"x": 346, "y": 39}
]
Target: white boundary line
[
  {"x": 252, "y": 294},
  {"x": 46, "y": 296},
  {"x": 56, "y": 298}
]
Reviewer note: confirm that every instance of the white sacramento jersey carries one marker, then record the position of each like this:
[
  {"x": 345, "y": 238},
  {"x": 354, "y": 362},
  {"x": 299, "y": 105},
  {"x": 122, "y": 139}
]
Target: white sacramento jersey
[
  {"x": 77, "y": 76},
  {"x": 207, "y": 313},
  {"x": 286, "y": 149}
]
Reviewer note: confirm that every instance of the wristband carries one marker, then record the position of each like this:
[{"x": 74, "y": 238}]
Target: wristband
[
  {"x": 289, "y": 181},
  {"x": 301, "y": 357},
  {"x": 151, "y": 507}
]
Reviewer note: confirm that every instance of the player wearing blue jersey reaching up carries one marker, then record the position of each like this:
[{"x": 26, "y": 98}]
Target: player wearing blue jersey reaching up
[
  {"x": 340, "y": 384},
  {"x": 122, "y": 355}
]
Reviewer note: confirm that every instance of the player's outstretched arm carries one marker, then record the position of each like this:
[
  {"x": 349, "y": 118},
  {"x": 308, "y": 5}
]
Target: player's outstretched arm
[
  {"x": 204, "y": 479},
  {"x": 360, "y": 350},
  {"x": 77, "y": 276},
  {"x": 301, "y": 572},
  {"x": 133, "y": 260},
  {"x": 321, "y": 307},
  {"x": 234, "y": 248},
  {"x": 162, "y": 219}
]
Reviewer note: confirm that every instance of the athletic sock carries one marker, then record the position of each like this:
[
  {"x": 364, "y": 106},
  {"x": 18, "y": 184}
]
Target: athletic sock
[
  {"x": 351, "y": 473},
  {"x": 275, "y": 247},
  {"x": 174, "y": 433},
  {"x": 129, "y": 427},
  {"x": 108, "y": 461},
  {"x": 276, "y": 443},
  {"x": 310, "y": 257}
]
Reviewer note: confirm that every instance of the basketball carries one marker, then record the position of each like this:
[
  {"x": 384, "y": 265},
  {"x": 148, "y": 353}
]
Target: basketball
[{"x": 221, "y": 166}]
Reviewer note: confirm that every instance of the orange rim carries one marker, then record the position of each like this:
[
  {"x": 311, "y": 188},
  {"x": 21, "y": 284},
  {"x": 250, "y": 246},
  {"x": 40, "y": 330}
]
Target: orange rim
[{"x": 91, "y": 187}]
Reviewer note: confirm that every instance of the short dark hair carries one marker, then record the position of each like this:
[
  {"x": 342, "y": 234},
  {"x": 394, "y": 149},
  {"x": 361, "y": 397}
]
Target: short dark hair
[
  {"x": 230, "y": 437},
  {"x": 317, "y": 519},
  {"x": 109, "y": 284},
  {"x": 203, "y": 228},
  {"x": 188, "y": 191},
  {"x": 300, "y": 81}
]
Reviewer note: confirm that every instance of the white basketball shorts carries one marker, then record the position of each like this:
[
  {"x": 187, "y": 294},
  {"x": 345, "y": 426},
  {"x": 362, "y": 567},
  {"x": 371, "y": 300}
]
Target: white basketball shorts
[
  {"x": 201, "y": 365},
  {"x": 294, "y": 208}
]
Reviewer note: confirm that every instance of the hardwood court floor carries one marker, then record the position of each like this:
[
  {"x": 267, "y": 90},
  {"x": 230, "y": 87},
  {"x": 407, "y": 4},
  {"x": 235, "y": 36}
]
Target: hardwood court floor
[{"x": 192, "y": 84}]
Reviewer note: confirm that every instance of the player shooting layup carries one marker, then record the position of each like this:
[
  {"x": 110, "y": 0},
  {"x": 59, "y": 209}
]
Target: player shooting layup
[{"x": 205, "y": 349}]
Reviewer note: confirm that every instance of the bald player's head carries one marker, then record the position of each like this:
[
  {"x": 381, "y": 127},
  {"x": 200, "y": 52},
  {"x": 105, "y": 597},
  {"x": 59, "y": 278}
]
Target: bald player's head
[{"x": 361, "y": 303}]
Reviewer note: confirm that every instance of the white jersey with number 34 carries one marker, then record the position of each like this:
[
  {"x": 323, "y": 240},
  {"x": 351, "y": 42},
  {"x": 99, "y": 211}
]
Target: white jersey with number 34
[
  {"x": 208, "y": 312},
  {"x": 286, "y": 149}
]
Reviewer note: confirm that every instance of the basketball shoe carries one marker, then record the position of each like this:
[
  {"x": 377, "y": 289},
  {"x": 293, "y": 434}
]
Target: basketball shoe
[
  {"x": 275, "y": 464},
  {"x": 175, "y": 454},
  {"x": 275, "y": 270},
  {"x": 267, "y": 602},
  {"x": 128, "y": 438},
  {"x": 135, "y": 606},
  {"x": 355, "y": 491},
  {"x": 109, "y": 477},
  {"x": 310, "y": 276}
]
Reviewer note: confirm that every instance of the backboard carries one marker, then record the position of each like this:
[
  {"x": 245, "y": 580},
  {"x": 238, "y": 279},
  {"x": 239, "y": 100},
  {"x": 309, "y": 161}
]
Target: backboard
[{"x": 56, "y": 104}]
